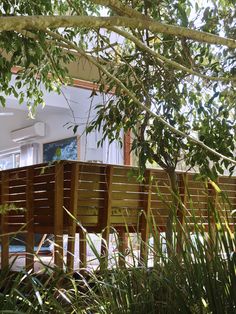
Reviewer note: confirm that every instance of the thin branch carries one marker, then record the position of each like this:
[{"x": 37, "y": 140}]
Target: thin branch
[
  {"x": 96, "y": 50},
  {"x": 35, "y": 37},
  {"x": 142, "y": 46},
  {"x": 65, "y": 46},
  {"x": 137, "y": 101},
  {"x": 130, "y": 67},
  {"x": 172, "y": 63}
]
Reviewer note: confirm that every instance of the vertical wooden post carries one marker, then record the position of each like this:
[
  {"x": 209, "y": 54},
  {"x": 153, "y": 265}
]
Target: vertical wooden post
[
  {"x": 4, "y": 221},
  {"x": 82, "y": 249},
  {"x": 181, "y": 211},
  {"x": 29, "y": 219},
  {"x": 73, "y": 211},
  {"x": 145, "y": 218},
  {"x": 105, "y": 219},
  {"x": 123, "y": 245},
  {"x": 58, "y": 214}
]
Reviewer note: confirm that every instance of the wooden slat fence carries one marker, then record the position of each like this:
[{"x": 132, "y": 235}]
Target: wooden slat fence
[{"x": 99, "y": 196}]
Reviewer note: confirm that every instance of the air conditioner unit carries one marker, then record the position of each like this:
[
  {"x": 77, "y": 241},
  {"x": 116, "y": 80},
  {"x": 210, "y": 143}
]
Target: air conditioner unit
[{"x": 29, "y": 133}]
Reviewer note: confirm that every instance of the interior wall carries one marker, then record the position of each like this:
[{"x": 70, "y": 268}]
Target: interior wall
[{"x": 76, "y": 108}]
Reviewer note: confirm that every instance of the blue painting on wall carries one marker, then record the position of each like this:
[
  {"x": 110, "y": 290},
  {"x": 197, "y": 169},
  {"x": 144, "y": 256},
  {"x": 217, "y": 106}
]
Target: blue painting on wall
[{"x": 61, "y": 150}]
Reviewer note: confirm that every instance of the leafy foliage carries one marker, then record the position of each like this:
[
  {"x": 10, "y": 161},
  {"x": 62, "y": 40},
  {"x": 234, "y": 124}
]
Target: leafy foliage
[
  {"x": 187, "y": 103},
  {"x": 155, "y": 73}
]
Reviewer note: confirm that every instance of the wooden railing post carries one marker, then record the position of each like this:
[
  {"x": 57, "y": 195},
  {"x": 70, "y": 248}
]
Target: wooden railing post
[
  {"x": 123, "y": 246},
  {"x": 181, "y": 211},
  {"x": 4, "y": 221},
  {"x": 73, "y": 211},
  {"x": 29, "y": 219},
  {"x": 105, "y": 219},
  {"x": 58, "y": 214},
  {"x": 145, "y": 218}
]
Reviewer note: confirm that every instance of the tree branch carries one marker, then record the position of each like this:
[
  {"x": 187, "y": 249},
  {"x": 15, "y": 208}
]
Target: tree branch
[
  {"x": 19, "y": 23},
  {"x": 172, "y": 63}
]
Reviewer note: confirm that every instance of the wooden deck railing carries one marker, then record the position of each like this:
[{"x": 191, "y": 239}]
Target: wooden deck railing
[{"x": 98, "y": 196}]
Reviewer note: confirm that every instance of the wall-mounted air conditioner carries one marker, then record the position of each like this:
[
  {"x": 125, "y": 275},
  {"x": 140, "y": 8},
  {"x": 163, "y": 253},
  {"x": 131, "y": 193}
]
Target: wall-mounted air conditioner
[{"x": 29, "y": 133}]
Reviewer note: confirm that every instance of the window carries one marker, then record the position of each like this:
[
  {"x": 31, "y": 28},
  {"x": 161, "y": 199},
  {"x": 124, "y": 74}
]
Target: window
[{"x": 9, "y": 161}]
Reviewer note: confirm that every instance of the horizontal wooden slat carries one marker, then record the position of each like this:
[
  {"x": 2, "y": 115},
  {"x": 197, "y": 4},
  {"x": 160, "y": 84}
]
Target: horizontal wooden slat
[
  {"x": 89, "y": 194},
  {"x": 92, "y": 186},
  {"x": 126, "y": 187},
  {"x": 127, "y": 196}
]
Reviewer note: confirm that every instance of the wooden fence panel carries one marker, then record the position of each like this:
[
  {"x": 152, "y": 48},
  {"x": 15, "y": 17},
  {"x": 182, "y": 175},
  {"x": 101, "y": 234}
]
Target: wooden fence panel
[
  {"x": 100, "y": 196},
  {"x": 43, "y": 197},
  {"x": 91, "y": 194},
  {"x": 227, "y": 199},
  {"x": 127, "y": 200}
]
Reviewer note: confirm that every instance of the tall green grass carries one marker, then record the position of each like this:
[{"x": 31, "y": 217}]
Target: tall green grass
[{"x": 201, "y": 278}]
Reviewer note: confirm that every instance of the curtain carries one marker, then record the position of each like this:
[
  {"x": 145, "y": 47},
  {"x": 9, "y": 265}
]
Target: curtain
[{"x": 29, "y": 154}]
